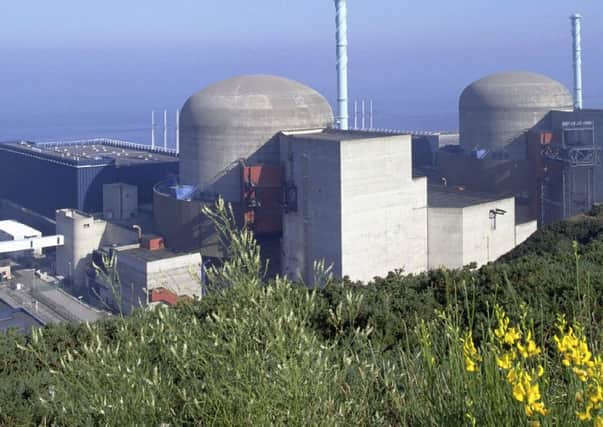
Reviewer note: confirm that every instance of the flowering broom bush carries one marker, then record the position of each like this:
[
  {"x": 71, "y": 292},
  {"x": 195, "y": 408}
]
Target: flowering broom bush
[{"x": 258, "y": 352}]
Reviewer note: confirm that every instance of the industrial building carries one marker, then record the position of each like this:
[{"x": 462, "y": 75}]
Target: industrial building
[
  {"x": 61, "y": 175},
  {"x": 17, "y": 319},
  {"x": 148, "y": 273},
  {"x": 521, "y": 136},
  {"x": 12, "y": 230},
  {"x": 365, "y": 202},
  {"x": 223, "y": 128},
  {"x": 84, "y": 234},
  {"x": 266, "y": 145}
]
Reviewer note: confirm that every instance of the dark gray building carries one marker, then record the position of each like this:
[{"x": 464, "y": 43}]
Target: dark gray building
[{"x": 45, "y": 177}]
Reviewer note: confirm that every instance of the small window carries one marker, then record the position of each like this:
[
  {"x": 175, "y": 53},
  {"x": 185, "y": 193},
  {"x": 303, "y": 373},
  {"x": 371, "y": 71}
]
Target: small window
[{"x": 86, "y": 225}]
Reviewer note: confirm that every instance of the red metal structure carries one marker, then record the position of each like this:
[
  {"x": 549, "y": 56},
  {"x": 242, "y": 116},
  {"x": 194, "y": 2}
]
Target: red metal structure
[
  {"x": 262, "y": 198},
  {"x": 152, "y": 243},
  {"x": 163, "y": 295}
]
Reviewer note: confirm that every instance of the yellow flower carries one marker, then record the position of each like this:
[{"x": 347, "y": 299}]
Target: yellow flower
[
  {"x": 540, "y": 372},
  {"x": 598, "y": 421},
  {"x": 584, "y": 415},
  {"x": 581, "y": 374},
  {"x": 536, "y": 407},
  {"x": 519, "y": 393},
  {"x": 470, "y": 365},
  {"x": 506, "y": 360},
  {"x": 512, "y": 376},
  {"x": 472, "y": 357},
  {"x": 512, "y": 336}
]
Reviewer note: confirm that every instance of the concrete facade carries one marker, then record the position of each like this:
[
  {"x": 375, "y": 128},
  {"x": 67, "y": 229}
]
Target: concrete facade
[
  {"x": 120, "y": 201},
  {"x": 83, "y": 234},
  {"x": 13, "y": 231},
  {"x": 237, "y": 120},
  {"x": 358, "y": 207},
  {"x": 497, "y": 110},
  {"x": 472, "y": 232},
  {"x": 142, "y": 270}
]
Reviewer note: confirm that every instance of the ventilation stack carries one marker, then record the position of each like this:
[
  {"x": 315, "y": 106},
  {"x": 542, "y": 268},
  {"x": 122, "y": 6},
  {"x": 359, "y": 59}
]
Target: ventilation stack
[
  {"x": 341, "y": 8},
  {"x": 577, "y": 50}
]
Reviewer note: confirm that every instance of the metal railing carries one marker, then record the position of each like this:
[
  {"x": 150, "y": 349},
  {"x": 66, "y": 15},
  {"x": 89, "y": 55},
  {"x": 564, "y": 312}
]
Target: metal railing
[{"x": 118, "y": 143}]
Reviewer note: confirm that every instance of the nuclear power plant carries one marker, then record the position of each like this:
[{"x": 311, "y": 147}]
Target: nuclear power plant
[{"x": 365, "y": 202}]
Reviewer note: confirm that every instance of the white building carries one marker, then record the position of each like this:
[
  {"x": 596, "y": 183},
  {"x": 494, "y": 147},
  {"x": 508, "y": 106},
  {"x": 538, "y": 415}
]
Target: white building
[
  {"x": 467, "y": 228},
  {"x": 352, "y": 201},
  {"x": 83, "y": 235},
  {"x": 144, "y": 272},
  {"x": 12, "y": 230}
]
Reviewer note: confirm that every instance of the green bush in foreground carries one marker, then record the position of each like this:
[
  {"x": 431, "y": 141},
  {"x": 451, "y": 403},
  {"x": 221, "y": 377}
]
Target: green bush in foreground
[{"x": 393, "y": 353}]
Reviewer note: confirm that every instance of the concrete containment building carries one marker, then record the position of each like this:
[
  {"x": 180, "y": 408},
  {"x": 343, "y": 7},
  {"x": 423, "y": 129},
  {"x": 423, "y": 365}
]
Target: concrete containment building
[
  {"x": 520, "y": 136},
  {"x": 311, "y": 193},
  {"x": 223, "y": 128},
  {"x": 497, "y": 110},
  {"x": 237, "y": 120}
]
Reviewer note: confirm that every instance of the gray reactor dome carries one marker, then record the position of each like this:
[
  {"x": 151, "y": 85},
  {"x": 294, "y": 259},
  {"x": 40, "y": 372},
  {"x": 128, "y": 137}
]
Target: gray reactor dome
[
  {"x": 498, "y": 109},
  {"x": 237, "y": 120}
]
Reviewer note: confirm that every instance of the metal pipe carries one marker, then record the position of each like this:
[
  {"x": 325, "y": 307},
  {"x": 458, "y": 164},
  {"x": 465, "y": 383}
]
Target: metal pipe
[
  {"x": 371, "y": 114},
  {"x": 165, "y": 129},
  {"x": 341, "y": 9},
  {"x": 355, "y": 114},
  {"x": 577, "y": 50},
  {"x": 153, "y": 129},
  {"x": 177, "y": 131}
]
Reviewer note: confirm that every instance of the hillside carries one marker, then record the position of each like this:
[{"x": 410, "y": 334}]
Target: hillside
[{"x": 402, "y": 350}]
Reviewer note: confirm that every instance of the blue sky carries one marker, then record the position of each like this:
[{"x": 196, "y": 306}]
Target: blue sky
[{"x": 104, "y": 65}]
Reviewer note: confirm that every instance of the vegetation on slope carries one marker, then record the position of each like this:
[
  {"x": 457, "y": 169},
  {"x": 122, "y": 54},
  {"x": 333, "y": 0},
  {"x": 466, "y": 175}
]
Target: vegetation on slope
[{"x": 427, "y": 349}]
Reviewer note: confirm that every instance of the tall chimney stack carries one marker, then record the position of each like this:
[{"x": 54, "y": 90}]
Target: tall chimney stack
[
  {"x": 341, "y": 20},
  {"x": 577, "y": 49}
]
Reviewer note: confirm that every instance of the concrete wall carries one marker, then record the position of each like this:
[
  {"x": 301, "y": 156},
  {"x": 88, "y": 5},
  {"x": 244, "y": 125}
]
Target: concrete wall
[
  {"x": 358, "y": 207},
  {"x": 383, "y": 210},
  {"x": 461, "y": 235},
  {"x": 313, "y": 232},
  {"x": 183, "y": 225},
  {"x": 120, "y": 201},
  {"x": 486, "y": 239},
  {"x": 179, "y": 274},
  {"x": 83, "y": 234},
  {"x": 445, "y": 231},
  {"x": 524, "y": 231}
]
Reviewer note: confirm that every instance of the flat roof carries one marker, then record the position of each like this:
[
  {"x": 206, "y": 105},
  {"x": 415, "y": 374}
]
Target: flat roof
[
  {"x": 92, "y": 152},
  {"x": 17, "y": 229},
  {"x": 17, "y": 318},
  {"x": 441, "y": 197},
  {"x": 339, "y": 135},
  {"x": 156, "y": 255}
]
